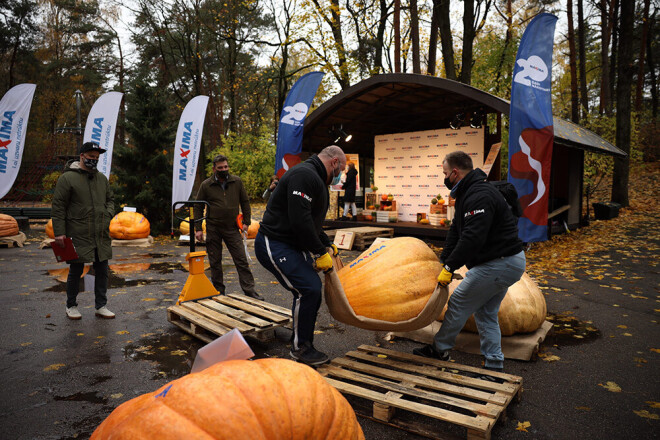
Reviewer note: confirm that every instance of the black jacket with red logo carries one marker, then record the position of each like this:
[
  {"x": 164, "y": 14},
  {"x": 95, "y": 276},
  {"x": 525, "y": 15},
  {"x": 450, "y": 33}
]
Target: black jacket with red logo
[
  {"x": 483, "y": 227},
  {"x": 296, "y": 209}
]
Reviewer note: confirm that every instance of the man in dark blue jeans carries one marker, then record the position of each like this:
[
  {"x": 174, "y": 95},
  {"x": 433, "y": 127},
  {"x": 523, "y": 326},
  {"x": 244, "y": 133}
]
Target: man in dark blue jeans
[
  {"x": 291, "y": 243},
  {"x": 483, "y": 237}
]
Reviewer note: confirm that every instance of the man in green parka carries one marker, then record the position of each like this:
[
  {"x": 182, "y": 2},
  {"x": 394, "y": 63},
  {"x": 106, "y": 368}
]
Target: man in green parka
[{"x": 82, "y": 208}]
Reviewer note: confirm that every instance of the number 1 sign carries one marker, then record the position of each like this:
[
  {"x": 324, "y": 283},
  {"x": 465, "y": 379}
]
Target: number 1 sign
[{"x": 344, "y": 239}]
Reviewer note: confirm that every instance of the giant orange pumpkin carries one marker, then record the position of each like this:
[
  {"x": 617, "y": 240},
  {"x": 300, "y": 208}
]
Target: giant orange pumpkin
[
  {"x": 523, "y": 309},
  {"x": 238, "y": 400},
  {"x": 184, "y": 227},
  {"x": 253, "y": 229},
  {"x": 391, "y": 281},
  {"x": 8, "y": 226},
  {"x": 129, "y": 226},
  {"x": 49, "y": 229}
]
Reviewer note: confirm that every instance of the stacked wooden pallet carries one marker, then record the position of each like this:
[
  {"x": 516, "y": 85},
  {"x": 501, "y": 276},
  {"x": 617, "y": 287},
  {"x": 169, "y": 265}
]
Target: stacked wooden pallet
[
  {"x": 440, "y": 392},
  {"x": 364, "y": 236},
  {"x": 209, "y": 318}
]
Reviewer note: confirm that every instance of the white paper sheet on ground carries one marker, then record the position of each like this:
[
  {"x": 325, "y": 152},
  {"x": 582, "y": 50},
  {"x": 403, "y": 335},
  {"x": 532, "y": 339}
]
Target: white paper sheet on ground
[{"x": 230, "y": 346}]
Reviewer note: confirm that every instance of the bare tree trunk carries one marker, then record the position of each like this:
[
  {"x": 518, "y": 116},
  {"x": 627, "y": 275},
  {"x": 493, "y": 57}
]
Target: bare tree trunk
[
  {"x": 468, "y": 39},
  {"x": 606, "y": 29},
  {"x": 575, "y": 104},
  {"x": 414, "y": 35},
  {"x": 122, "y": 109},
  {"x": 623, "y": 89},
  {"x": 507, "y": 40},
  {"x": 446, "y": 39},
  {"x": 380, "y": 36},
  {"x": 614, "y": 21},
  {"x": 582, "y": 58},
  {"x": 642, "y": 48},
  {"x": 397, "y": 36},
  {"x": 654, "y": 85},
  {"x": 433, "y": 39}
]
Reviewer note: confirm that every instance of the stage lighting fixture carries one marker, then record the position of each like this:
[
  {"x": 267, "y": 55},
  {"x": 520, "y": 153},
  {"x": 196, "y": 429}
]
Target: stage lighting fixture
[
  {"x": 338, "y": 133},
  {"x": 477, "y": 119},
  {"x": 457, "y": 122}
]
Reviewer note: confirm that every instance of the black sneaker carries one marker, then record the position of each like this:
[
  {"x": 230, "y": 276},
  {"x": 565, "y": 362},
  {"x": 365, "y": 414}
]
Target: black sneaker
[
  {"x": 488, "y": 378},
  {"x": 309, "y": 355},
  {"x": 255, "y": 295},
  {"x": 429, "y": 351}
]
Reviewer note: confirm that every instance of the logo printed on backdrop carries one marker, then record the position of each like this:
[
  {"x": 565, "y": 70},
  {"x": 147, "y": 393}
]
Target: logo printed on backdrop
[
  {"x": 424, "y": 166},
  {"x": 423, "y": 147},
  {"x": 14, "y": 114},
  {"x": 398, "y": 157},
  {"x": 423, "y": 185},
  {"x": 433, "y": 156},
  {"x": 415, "y": 137},
  {"x": 398, "y": 177},
  {"x": 382, "y": 176},
  {"x": 383, "y": 158},
  {"x": 415, "y": 176},
  {"x": 417, "y": 157},
  {"x": 406, "y": 186},
  {"x": 406, "y": 167},
  {"x": 390, "y": 186},
  {"x": 432, "y": 176},
  {"x": 454, "y": 134},
  {"x": 461, "y": 144},
  {"x": 407, "y": 148},
  {"x": 414, "y": 196},
  {"x": 391, "y": 167},
  {"x": 398, "y": 139},
  {"x": 432, "y": 136},
  {"x": 472, "y": 133},
  {"x": 390, "y": 149}
]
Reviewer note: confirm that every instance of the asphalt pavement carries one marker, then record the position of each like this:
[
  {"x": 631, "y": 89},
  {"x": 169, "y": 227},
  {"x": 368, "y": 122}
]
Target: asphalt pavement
[{"x": 597, "y": 375}]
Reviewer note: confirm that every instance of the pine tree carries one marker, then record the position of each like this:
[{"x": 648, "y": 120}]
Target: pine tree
[{"x": 144, "y": 166}]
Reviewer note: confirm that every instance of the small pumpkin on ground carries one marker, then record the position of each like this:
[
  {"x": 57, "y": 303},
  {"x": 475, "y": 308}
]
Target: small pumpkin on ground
[
  {"x": 129, "y": 226},
  {"x": 49, "y": 229},
  {"x": 523, "y": 309},
  {"x": 392, "y": 281},
  {"x": 266, "y": 398},
  {"x": 8, "y": 226},
  {"x": 184, "y": 227}
]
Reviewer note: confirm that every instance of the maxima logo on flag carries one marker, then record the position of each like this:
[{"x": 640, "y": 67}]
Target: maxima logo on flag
[
  {"x": 100, "y": 127},
  {"x": 14, "y": 114}
]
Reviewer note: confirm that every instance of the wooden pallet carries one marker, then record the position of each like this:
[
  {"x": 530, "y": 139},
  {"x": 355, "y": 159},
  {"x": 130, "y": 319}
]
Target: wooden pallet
[
  {"x": 210, "y": 318},
  {"x": 364, "y": 235},
  {"x": 438, "y": 391}
]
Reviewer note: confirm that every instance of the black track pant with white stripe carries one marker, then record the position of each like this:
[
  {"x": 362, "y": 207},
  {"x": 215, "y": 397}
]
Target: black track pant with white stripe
[{"x": 294, "y": 269}]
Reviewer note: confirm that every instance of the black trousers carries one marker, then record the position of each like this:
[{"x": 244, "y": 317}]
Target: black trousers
[
  {"x": 234, "y": 242},
  {"x": 100, "y": 283}
]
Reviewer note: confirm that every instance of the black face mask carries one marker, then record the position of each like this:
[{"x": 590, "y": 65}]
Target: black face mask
[
  {"x": 91, "y": 163},
  {"x": 448, "y": 183},
  {"x": 222, "y": 175}
]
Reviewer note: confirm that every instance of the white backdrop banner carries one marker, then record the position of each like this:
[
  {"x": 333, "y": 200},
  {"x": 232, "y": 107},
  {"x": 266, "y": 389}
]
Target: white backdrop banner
[
  {"x": 100, "y": 127},
  {"x": 14, "y": 114},
  {"x": 409, "y": 165},
  {"x": 187, "y": 146}
]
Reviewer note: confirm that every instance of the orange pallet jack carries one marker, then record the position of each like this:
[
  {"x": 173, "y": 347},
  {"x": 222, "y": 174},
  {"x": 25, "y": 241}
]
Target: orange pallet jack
[{"x": 197, "y": 285}]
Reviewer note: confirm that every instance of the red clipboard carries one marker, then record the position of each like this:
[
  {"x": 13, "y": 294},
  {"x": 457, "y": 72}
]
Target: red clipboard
[{"x": 66, "y": 253}]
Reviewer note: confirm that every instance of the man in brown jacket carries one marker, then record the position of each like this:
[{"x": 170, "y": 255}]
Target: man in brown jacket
[{"x": 225, "y": 194}]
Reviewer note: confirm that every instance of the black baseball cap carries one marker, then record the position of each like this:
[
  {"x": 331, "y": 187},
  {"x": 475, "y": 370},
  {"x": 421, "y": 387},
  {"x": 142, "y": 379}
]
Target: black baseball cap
[{"x": 91, "y": 146}]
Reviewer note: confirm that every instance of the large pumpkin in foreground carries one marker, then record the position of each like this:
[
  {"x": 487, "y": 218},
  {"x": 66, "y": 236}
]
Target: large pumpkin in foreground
[
  {"x": 8, "y": 226},
  {"x": 523, "y": 309},
  {"x": 49, "y": 229},
  {"x": 129, "y": 226},
  {"x": 238, "y": 400},
  {"x": 184, "y": 226},
  {"x": 391, "y": 281}
]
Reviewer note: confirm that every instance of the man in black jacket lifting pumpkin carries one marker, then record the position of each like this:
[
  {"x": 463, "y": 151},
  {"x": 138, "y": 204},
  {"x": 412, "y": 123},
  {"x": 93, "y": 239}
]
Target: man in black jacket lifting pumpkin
[
  {"x": 483, "y": 237},
  {"x": 291, "y": 243}
]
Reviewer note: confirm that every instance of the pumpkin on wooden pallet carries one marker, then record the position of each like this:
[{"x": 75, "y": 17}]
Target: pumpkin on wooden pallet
[
  {"x": 129, "y": 226},
  {"x": 523, "y": 309},
  {"x": 391, "y": 286},
  {"x": 49, "y": 229},
  {"x": 8, "y": 226},
  {"x": 184, "y": 226},
  {"x": 266, "y": 398}
]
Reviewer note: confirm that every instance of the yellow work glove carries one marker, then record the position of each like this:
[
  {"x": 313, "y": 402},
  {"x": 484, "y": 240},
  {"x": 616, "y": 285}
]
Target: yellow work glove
[
  {"x": 445, "y": 277},
  {"x": 335, "y": 250},
  {"x": 324, "y": 262}
]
